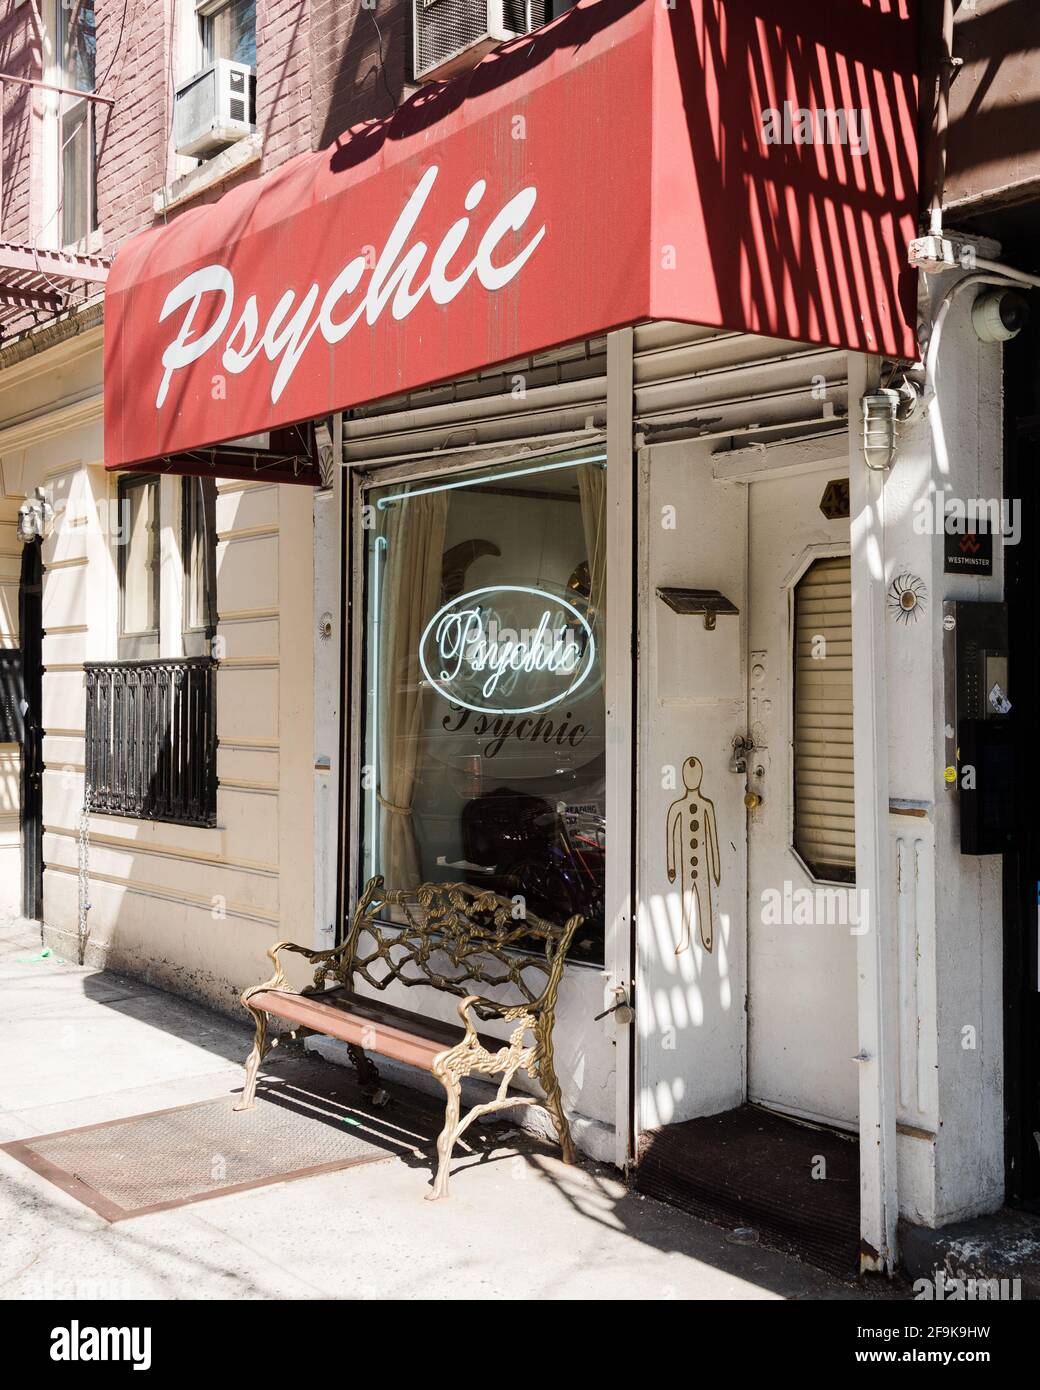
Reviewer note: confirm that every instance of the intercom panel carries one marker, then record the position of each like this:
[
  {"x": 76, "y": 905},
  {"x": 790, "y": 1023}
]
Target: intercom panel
[{"x": 980, "y": 749}]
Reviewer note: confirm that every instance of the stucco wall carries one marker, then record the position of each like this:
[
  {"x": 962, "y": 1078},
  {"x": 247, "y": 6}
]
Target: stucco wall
[
  {"x": 190, "y": 907},
  {"x": 193, "y": 908},
  {"x": 947, "y": 907}
]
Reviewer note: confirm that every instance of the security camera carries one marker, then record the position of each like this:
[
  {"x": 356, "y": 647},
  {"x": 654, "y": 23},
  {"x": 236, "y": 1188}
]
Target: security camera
[{"x": 999, "y": 314}]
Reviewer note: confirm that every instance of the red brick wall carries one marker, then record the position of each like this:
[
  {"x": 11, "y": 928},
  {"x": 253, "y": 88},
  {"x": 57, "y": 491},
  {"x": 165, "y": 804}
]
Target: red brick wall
[
  {"x": 19, "y": 55},
  {"x": 322, "y": 66},
  {"x": 133, "y": 68},
  {"x": 283, "y": 86},
  {"x": 361, "y": 61}
]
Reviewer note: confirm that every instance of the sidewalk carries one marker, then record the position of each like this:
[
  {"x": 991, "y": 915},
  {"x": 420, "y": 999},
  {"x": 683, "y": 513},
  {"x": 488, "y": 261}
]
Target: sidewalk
[{"x": 80, "y": 1047}]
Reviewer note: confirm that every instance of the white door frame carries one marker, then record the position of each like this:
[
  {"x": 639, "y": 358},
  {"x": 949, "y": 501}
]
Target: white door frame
[
  {"x": 622, "y": 733},
  {"x": 878, "y": 1009}
]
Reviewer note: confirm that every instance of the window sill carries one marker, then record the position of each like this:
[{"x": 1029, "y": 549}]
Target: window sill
[
  {"x": 209, "y": 823},
  {"x": 92, "y": 245},
  {"x": 215, "y": 171}
]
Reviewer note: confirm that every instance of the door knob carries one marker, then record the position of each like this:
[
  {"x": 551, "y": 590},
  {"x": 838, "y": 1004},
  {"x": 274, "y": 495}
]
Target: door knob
[{"x": 752, "y": 800}]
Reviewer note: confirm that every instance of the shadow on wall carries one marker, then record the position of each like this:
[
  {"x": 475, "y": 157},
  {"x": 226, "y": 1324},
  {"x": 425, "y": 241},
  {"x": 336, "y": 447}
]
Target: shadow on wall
[
  {"x": 780, "y": 253},
  {"x": 360, "y": 63}
]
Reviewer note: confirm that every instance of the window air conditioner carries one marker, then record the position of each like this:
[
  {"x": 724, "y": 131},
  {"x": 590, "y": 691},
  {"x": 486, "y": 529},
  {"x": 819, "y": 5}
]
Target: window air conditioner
[
  {"x": 214, "y": 108},
  {"x": 452, "y": 35}
]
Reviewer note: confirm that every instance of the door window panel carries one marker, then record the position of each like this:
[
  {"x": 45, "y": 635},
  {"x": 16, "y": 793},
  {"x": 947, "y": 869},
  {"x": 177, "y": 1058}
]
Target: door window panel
[{"x": 824, "y": 811}]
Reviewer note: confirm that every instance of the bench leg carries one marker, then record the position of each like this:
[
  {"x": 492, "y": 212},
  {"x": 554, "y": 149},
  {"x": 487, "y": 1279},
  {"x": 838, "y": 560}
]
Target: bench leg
[
  {"x": 453, "y": 1088},
  {"x": 553, "y": 1098},
  {"x": 260, "y": 1047},
  {"x": 368, "y": 1075}
]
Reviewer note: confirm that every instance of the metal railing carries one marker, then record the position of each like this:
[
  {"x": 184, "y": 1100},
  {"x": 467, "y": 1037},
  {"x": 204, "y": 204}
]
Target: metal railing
[
  {"x": 61, "y": 206},
  {"x": 151, "y": 739}
]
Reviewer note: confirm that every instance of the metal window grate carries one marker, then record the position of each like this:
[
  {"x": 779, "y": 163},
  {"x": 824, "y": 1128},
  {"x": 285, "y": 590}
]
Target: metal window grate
[{"x": 152, "y": 739}]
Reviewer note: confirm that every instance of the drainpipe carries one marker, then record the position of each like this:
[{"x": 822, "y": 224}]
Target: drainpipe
[{"x": 942, "y": 119}]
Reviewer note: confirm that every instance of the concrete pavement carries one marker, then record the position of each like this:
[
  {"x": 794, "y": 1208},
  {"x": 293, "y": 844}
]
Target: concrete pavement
[{"x": 78, "y": 1046}]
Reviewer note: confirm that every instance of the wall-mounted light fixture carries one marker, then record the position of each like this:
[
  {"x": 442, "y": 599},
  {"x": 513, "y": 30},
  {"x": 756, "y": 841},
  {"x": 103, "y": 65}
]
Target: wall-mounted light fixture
[
  {"x": 880, "y": 411},
  {"x": 34, "y": 518}
]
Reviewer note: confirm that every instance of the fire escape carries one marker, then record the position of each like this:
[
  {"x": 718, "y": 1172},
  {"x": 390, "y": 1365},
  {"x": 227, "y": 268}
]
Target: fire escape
[{"x": 48, "y": 210}]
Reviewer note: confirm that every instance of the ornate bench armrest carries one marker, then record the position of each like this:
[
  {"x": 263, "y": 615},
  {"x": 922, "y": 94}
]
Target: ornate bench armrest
[
  {"x": 468, "y": 1022},
  {"x": 510, "y": 1013},
  {"x": 279, "y": 980}
]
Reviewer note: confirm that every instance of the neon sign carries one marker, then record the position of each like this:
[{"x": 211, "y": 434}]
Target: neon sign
[{"x": 507, "y": 649}]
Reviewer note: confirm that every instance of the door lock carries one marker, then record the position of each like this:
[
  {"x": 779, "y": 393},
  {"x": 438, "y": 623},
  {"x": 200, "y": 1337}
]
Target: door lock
[
  {"x": 621, "y": 1009},
  {"x": 741, "y": 748}
]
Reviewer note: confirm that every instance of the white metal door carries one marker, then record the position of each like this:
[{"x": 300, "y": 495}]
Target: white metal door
[{"x": 802, "y": 903}]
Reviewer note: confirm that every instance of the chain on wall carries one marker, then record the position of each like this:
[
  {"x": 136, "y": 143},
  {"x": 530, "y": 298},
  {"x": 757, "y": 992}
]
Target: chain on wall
[{"x": 84, "y": 875}]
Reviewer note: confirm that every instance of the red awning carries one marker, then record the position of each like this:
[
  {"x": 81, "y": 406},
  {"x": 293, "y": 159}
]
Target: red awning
[{"x": 734, "y": 163}]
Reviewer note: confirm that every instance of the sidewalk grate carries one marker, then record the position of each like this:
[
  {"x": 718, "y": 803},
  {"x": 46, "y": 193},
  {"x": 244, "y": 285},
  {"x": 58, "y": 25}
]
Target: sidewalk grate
[{"x": 309, "y": 1118}]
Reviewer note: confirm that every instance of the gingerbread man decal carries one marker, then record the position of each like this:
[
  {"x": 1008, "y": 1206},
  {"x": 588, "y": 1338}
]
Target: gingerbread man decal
[{"x": 693, "y": 853}]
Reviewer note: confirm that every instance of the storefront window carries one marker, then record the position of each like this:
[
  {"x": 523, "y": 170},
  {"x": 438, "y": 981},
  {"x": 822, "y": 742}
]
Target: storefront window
[{"x": 485, "y": 718}]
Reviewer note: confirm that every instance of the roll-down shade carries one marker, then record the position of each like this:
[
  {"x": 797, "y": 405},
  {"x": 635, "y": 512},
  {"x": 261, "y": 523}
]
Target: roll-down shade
[{"x": 824, "y": 809}]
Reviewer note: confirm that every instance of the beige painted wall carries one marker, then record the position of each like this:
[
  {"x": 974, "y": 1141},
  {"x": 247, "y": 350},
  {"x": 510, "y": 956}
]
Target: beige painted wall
[{"x": 190, "y": 908}]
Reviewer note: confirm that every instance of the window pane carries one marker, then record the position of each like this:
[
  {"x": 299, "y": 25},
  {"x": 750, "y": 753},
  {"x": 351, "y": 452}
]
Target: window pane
[
  {"x": 139, "y": 517},
  {"x": 484, "y": 711},
  {"x": 231, "y": 33},
  {"x": 199, "y": 549},
  {"x": 77, "y": 153},
  {"x": 77, "y": 44},
  {"x": 78, "y": 174}
]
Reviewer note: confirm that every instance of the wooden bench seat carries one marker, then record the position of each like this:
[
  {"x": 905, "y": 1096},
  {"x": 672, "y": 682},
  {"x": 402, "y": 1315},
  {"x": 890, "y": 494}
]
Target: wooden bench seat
[
  {"x": 448, "y": 937},
  {"x": 396, "y": 1033}
]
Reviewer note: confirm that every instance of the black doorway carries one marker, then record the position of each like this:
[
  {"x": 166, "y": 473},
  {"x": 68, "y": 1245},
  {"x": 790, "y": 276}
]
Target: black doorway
[
  {"x": 1022, "y": 863},
  {"x": 30, "y": 627}
]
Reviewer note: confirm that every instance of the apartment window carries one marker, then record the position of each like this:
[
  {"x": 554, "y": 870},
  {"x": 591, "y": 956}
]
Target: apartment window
[
  {"x": 138, "y": 566},
  {"x": 199, "y": 555},
  {"x": 78, "y": 163},
  {"x": 824, "y": 810},
  {"x": 151, "y": 719},
  {"x": 229, "y": 31},
  {"x": 484, "y": 711}
]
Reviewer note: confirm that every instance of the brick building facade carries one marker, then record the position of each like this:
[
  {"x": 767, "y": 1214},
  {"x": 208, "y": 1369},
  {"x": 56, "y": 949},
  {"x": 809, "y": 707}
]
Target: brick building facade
[{"x": 736, "y": 404}]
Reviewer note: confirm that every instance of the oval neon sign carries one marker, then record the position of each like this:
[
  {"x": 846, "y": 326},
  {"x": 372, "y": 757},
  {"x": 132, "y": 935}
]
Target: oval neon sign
[{"x": 507, "y": 649}]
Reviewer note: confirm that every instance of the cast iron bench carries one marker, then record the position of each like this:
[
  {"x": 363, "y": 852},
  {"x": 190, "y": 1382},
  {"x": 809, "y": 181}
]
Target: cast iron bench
[{"x": 451, "y": 935}]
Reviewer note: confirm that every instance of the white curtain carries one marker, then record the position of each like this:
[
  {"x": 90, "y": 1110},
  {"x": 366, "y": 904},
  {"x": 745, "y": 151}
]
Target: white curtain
[
  {"x": 411, "y": 595},
  {"x": 592, "y": 489}
]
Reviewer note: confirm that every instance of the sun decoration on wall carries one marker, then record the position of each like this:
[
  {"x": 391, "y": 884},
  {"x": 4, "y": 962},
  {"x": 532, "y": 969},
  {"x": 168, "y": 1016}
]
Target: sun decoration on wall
[{"x": 906, "y": 598}]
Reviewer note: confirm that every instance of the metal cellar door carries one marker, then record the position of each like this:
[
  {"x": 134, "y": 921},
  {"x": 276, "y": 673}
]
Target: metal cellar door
[{"x": 802, "y": 902}]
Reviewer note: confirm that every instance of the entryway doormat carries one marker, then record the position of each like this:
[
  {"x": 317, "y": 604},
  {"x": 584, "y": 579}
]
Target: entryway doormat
[
  {"x": 792, "y": 1186},
  {"x": 309, "y": 1117}
]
